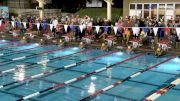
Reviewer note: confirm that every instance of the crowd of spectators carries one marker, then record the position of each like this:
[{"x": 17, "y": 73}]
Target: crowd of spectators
[{"x": 125, "y": 32}]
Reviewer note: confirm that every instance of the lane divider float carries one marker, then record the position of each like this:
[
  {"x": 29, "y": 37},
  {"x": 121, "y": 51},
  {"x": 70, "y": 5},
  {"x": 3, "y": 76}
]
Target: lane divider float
[
  {"x": 11, "y": 46},
  {"x": 91, "y": 96},
  {"x": 30, "y": 56},
  {"x": 54, "y": 70},
  {"x": 41, "y": 62},
  {"x": 75, "y": 79},
  {"x": 163, "y": 90},
  {"x": 20, "y": 51}
]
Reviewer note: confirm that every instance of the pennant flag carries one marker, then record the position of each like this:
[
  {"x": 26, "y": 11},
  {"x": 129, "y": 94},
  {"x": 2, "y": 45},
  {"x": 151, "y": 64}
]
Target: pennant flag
[
  {"x": 44, "y": 26},
  {"x": 18, "y": 24},
  {"x": 97, "y": 29},
  {"x": 38, "y": 26},
  {"x": 51, "y": 26},
  {"x": 155, "y": 29},
  {"x": 0, "y": 22},
  {"x": 115, "y": 30},
  {"x": 135, "y": 30},
  {"x": 24, "y": 24},
  {"x": 145, "y": 30},
  {"x": 65, "y": 28},
  {"x": 178, "y": 31},
  {"x": 84, "y": 26},
  {"x": 55, "y": 24},
  {"x": 13, "y": 24},
  {"x": 81, "y": 28},
  {"x": 106, "y": 29}
]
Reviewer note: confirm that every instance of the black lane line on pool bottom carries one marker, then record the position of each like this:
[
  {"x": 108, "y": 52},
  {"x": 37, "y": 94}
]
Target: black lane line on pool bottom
[
  {"x": 141, "y": 69},
  {"x": 91, "y": 96},
  {"x": 117, "y": 66},
  {"x": 30, "y": 56},
  {"x": 5, "y": 59},
  {"x": 163, "y": 90},
  {"x": 116, "y": 78},
  {"x": 162, "y": 86},
  {"x": 119, "y": 78},
  {"x": 77, "y": 79},
  {"x": 21, "y": 84},
  {"x": 33, "y": 56},
  {"x": 5, "y": 44},
  {"x": 70, "y": 85},
  {"x": 21, "y": 51},
  {"x": 54, "y": 70},
  {"x": 16, "y": 45},
  {"x": 50, "y": 60},
  {"x": 60, "y": 57},
  {"x": 15, "y": 95}
]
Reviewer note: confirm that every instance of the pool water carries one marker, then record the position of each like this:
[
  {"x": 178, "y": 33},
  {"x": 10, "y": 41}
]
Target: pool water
[{"x": 135, "y": 89}]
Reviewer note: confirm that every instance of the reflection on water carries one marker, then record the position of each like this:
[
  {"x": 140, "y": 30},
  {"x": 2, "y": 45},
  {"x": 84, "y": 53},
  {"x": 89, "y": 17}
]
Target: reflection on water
[
  {"x": 82, "y": 93},
  {"x": 92, "y": 88},
  {"x": 109, "y": 73},
  {"x": 20, "y": 73},
  {"x": 115, "y": 99},
  {"x": 67, "y": 90},
  {"x": 44, "y": 63}
]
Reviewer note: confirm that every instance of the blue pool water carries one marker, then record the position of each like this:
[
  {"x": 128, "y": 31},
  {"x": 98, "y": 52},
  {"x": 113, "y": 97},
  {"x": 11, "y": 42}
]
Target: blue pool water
[{"x": 135, "y": 89}]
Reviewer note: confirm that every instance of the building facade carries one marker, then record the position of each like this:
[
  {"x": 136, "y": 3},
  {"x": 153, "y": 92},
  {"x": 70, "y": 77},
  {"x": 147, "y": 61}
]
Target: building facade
[
  {"x": 167, "y": 9},
  {"x": 13, "y": 4}
]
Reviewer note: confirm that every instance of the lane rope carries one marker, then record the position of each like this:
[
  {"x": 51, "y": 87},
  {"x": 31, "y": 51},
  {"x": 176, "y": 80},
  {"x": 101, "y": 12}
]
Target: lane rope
[
  {"x": 12, "y": 45},
  {"x": 48, "y": 60},
  {"x": 54, "y": 70},
  {"x": 30, "y": 56},
  {"x": 163, "y": 90},
  {"x": 75, "y": 79},
  {"x": 21, "y": 51},
  {"x": 91, "y": 96}
]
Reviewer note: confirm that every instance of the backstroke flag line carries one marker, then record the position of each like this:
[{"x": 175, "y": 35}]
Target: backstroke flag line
[
  {"x": 115, "y": 30},
  {"x": 97, "y": 29},
  {"x": 51, "y": 26},
  {"x": 13, "y": 24},
  {"x": 24, "y": 24},
  {"x": 65, "y": 28},
  {"x": 81, "y": 28},
  {"x": 155, "y": 30},
  {"x": 38, "y": 26}
]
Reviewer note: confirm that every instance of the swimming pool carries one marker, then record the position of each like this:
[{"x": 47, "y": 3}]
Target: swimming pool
[{"x": 54, "y": 73}]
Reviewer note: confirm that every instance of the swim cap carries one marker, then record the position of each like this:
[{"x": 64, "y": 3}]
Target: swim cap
[{"x": 158, "y": 49}]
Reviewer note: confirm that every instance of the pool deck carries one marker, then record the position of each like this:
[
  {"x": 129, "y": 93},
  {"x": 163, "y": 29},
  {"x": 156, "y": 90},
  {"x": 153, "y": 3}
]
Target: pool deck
[{"x": 146, "y": 49}]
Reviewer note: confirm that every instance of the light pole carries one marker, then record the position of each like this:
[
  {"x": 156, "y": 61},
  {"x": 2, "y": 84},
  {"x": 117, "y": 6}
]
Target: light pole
[
  {"x": 41, "y": 11},
  {"x": 109, "y": 3}
]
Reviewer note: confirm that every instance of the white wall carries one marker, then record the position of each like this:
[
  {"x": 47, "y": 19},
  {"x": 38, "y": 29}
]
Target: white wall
[{"x": 94, "y": 3}]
